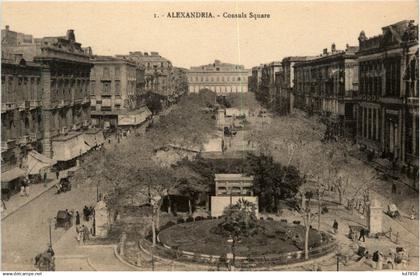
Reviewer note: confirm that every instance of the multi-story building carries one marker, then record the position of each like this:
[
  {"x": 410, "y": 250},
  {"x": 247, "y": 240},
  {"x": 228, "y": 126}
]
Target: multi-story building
[
  {"x": 157, "y": 72},
  {"x": 21, "y": 114},
  {"x": 222, "y": 78},
  {"x": 387, "y": 113},
  {"x": 287, "y": 84},
  {"x": 255, "y": 79},
  {"x": 328, "y": 85},
  {"x": 112, "y": 89},
  {"x": 64, "y": 81}
]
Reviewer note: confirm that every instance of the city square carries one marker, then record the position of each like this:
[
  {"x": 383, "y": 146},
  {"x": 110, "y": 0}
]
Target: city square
[{"x": 131, "y": 162}]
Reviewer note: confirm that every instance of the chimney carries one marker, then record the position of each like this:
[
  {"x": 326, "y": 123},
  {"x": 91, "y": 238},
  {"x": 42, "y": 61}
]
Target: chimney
[
  {"x": 333, "y": 47},
  {"x": 7, "y": 27},
  {"x": 325, "y": 51},
  {"x": 70, "y": 35}
]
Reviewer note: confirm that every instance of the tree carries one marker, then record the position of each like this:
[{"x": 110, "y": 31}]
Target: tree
[
  {"x": 307, "y": 216},
  {"x": 153, "y": 102},
  {"x": 272, "y": 181},
  {"x": 240, "y": 219}
]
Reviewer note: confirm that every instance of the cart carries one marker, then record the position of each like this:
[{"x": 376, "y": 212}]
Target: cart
[
  {"x": 393, "y": 211},
  {"x": 63, "y": 219}
]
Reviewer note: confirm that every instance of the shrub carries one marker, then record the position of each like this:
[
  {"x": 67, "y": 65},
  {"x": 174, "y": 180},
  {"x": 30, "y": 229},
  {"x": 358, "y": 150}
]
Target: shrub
[
  {"x": 180, "y": 220},
  {"x": 198, "y": 218},
  {"x": 297, "y": 222},
  {"x": 189, "y": 219},
  {"x": 270, "y": 218}
]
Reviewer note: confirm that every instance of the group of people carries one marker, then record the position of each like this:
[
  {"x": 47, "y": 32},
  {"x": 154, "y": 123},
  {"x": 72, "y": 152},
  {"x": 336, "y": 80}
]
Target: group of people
[
  {"x": 83, "y": 232},
  {"x": 392, "y": 259},
  {"x": 88, "y": 212}
]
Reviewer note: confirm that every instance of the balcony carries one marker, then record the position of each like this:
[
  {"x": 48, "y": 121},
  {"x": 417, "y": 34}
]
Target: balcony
[
  {"x": 7, "y": 107},
  {"x": 24, "y": 105}
]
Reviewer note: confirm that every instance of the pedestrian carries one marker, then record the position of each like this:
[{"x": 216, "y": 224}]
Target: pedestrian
[
  {"x": 85, "y": 233},
  {"x": 362, "y": 234},
  {"x": 86, "y": 213},
  {"x": 82, "y": 233},
  {"x": 335, "y": 226},
  {"x": 77, "y": 218},
  {"x": 413, "y": 212},
  {"x": 22, "y": 189},
  {"x": 394, "y": 188},
  {"x": 57, "y": 174}
]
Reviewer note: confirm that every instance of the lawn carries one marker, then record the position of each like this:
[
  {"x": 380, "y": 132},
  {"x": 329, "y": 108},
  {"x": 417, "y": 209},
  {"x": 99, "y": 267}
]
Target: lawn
[{"x": 273, "y": 238}]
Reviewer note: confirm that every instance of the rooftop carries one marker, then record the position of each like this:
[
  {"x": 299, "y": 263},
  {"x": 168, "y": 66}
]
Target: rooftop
[{"x": 232, "y": 176}]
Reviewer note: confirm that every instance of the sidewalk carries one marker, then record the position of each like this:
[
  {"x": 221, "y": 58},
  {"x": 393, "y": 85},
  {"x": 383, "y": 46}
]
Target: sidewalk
[{"x": 35, "y": 190}]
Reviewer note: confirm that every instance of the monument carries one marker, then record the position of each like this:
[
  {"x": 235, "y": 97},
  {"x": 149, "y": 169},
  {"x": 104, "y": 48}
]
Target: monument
[
  {"x": 101, "y": 219},
  {"x": 375, "y": 217}
]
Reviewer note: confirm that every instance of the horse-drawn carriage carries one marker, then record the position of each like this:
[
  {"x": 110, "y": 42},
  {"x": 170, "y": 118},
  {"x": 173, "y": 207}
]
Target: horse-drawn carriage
[
  {"x": 393, "y": 211},
  {"x": 45, "y": 261},
  {"x": 64, "y": 219}
]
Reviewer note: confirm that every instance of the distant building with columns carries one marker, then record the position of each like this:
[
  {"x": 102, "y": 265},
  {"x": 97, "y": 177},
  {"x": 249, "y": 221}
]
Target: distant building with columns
[{"x": 222, "y": 78}]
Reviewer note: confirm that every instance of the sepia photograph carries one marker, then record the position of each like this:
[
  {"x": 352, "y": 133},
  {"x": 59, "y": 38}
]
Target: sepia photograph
[{"x": 169, "y": 136}]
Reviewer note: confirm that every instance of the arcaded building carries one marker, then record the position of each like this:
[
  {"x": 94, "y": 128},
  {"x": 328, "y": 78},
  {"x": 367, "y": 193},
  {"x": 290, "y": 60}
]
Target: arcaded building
[
  {"x": 328, "y": 85},
  {"x": 222, "y": 78},
  {"x": 388, "y": 111},
  {"x": 63, "y": 76}
]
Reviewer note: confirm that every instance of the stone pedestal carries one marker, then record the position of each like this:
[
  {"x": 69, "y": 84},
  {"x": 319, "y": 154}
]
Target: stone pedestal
[
  {"x": 101, "y": 219},
  {"x": 375, "y": 217}
]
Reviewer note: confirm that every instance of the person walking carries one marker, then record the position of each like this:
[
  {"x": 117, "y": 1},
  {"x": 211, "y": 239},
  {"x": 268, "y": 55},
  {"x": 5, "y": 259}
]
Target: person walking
[
  {"x": 362, "y": 234},
  {"x": 77, "y": 218},
  {"x": 394, "y": 188},
  {"x": 85, "y": 234},
  {"x": 335, "y": 226},
  {"x": 57, "y": 174}
]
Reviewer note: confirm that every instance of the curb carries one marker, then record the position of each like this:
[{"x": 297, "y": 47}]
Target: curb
[
  {"x": 138, "y": 268},
  {"x": 81, "y": 257},
  {"x": 26, "y": 203}
]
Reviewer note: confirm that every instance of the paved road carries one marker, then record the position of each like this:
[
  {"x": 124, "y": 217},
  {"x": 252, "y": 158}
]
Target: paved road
[{"x": 26, "y": 232}]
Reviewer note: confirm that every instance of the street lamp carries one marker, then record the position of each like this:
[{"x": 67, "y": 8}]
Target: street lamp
[{"x": 49, "y": 230}]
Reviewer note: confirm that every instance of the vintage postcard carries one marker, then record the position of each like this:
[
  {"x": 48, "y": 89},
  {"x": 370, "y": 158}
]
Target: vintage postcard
[{"x": 210, "y": 136}]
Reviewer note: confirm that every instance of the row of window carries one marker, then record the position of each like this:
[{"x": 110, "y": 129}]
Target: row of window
[
  {"x": 20, "y": 124},
  {"x": 20, "y": 88},
  {"x": 369, "y": 121},
  {"x": 214, "y": 79}
]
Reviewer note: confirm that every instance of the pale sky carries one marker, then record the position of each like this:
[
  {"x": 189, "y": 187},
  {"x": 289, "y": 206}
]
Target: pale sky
[{"x": 294, "y": 28}]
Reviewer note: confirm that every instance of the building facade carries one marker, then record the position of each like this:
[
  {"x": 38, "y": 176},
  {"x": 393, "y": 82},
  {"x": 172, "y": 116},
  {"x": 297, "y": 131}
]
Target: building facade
[
  {"x": 64, "y": 84},
  {"x": 221, "y": 78},
  {"x": 288, "y": 81},
  {"x": 112, "y": 89},
  {"x": 387, "y": 111},
  {"x": 157, "y": 72},
  {"x": 328, "y": 85},
  {"x": 255, "y": 79},
  {"x": 21, "y": 114}
]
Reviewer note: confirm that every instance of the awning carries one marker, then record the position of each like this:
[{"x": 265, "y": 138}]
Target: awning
[
  {"x": 12, "y": 174},
  {"x": 69, "y": 147},
  {"x": 38, "y": 162},
  {"x": 134, "y": 118},
  {"x": 94, "y": 138}
]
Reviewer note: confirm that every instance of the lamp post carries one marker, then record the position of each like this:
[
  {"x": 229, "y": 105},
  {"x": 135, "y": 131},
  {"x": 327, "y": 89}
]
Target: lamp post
[{"x": 49, "y": 231}]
